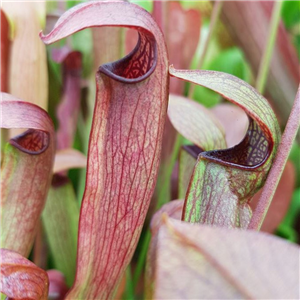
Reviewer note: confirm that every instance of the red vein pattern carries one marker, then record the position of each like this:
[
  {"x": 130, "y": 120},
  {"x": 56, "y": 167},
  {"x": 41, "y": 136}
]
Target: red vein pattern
[
  {"x": 20, "y": 278},
  {"x": 251, "y": 152},
  {"x": 31, "y": 141},
  {"x": 204, "y": 262},
  {"x": 139, "y": 62},
  {"x": 26, "y": 172},
  {"x": 224, "y": 181},
  {"x": 124, "y": 148}
]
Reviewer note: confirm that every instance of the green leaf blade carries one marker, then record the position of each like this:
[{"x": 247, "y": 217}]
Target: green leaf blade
[{"x": 60, "y": 219}]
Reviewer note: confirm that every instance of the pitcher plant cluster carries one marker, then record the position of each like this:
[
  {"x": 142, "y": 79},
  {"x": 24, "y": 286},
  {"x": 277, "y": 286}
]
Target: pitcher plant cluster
[{"x": 139, "y": 155}]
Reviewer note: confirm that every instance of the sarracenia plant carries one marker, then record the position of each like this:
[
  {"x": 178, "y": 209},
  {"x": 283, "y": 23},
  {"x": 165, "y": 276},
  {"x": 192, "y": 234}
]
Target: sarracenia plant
[{"x": 122, "y": 168}]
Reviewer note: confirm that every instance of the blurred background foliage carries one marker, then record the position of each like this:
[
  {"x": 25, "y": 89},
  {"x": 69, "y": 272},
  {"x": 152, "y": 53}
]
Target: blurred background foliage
[{"x": 222, "y": 54}]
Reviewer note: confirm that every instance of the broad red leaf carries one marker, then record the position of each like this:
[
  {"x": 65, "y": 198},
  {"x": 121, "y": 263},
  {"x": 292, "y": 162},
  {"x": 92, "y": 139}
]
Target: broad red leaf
[
  {"x": 183, "y": 32},
  {"x": 181, "y": 29},
  {"x": 20, "y": 278},
  {"x": 196, "y": 261},
  {"x": 25, "y": 172},
  {"x": 125, "y": 144},
  {"x": 284, "y": 72},
  {"x": 224, "y": 181}
]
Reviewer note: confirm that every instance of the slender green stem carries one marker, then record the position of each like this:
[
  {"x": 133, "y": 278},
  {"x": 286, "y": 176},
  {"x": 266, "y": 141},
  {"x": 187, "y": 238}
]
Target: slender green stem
[
  {"x": 161, "y": 199},
  {"x": 129, "y": 292},
  {"x": 213, "y": 21},
  {"x": 4, "y": 137},
  {"x": 142, "y": 258},
  {"x": 265, "y": 62},
  {"x": 274, "y": 176}
]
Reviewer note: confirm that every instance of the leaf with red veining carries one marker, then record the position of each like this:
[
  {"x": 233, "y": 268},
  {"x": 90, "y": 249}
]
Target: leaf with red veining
[
  {"x": 201, "y": 127},
  {"x": 125, "y": 144},
  {"x": 20, "y": 278},
  {"x": 235, "y": 123},
  {"x": 174, "y": 210},
  {"x": 196, "y": 261},
  {"x": 224, "y": 181},
  {"x": 283, "y": 78},
  {"x": 25, "y": 173}
]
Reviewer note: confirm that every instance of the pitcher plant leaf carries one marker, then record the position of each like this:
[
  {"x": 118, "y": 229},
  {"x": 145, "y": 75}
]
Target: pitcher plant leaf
[
  {"x": 124, "y": 147},
  {"x": 210, "y": 262},
  {"x": 20, "y": 278},
  {"x": 26, "y": 172},
  {"x": 224, "y": 181}
]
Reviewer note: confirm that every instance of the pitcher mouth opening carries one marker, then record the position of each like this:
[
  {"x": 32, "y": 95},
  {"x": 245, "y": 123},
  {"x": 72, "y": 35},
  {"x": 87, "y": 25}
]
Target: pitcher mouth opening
[{"x": 138, "y": 65}]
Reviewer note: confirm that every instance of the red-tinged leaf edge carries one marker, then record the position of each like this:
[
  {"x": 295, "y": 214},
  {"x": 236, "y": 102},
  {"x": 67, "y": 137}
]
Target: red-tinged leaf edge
[
  {"x": 26, "y": 172},
  {"x": 261, "y": 116},
  {"x": 119, "y": 70},
  {"x": 20, "y": 278},
  {"x": 124, "y": 148},
  {"x": 20, "y": 114},
  {"x": 31, "y": 141},
  {"x": 207, "y": 266},
  {"x": 224, "y": 181}
]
